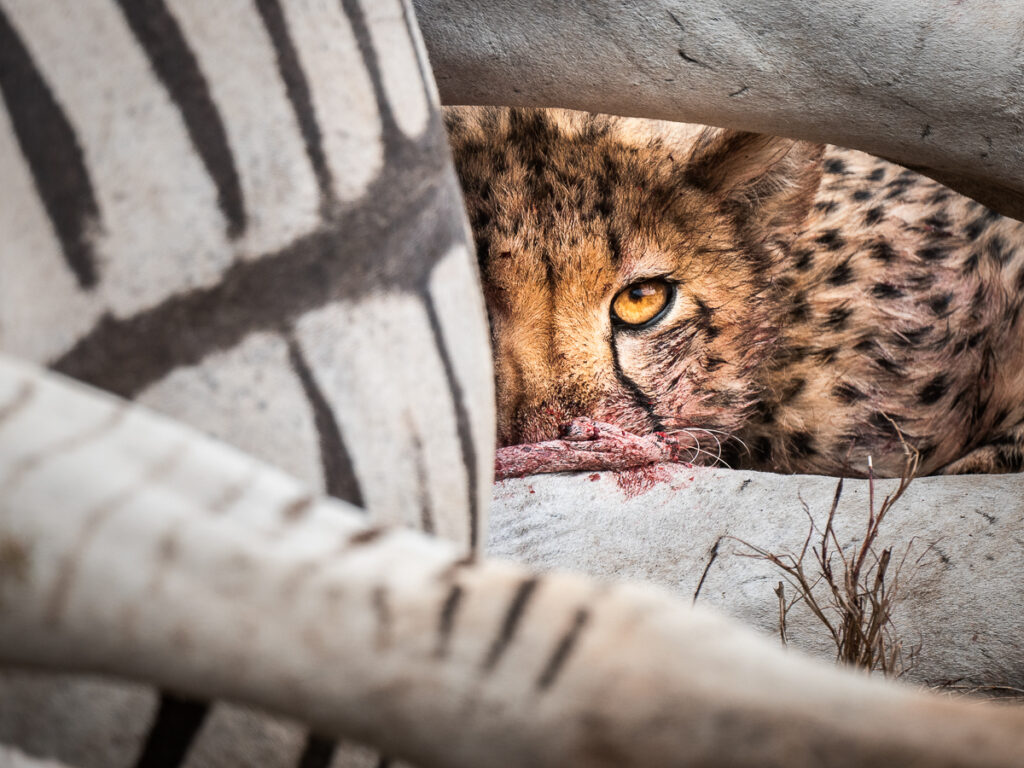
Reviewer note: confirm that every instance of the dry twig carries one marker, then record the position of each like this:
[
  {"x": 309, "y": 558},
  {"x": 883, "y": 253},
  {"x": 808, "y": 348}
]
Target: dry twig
[{"x": 862, "y": 588}]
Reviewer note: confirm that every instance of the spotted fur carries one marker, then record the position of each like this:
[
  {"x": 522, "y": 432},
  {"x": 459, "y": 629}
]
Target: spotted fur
[{"x": 828, "y": 304}]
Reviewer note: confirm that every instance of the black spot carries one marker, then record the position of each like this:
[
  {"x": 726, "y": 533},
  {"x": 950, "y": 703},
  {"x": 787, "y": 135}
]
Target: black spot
[
  {"x": 792, "y": 390},
  {"x": 979, "y": 298},
  {"x": 713, "y": 363},
  {"x": 933, "y": 390},
  {"x": 614, "y": 245},
  {"x": 862, "y": 194},
  {"x": 804, "y": 258},
  {"x": 877, "y": 175},
  {"x": 826, "y": 206},
  {"x": 800, "y": 309},
  {"x": 923, "y": 281},
  {"x": 483, "y": 249},
  {"x": 971, "y": 263},
  {"x": 998, "y": 251},
  {"x": 762, "y": 449},
  {"x": 888, "y": 365},
  {"x": 883, "y": 423},
  {"x": 882, "y": 251},
  {"x": 705, "y": 313},
  {"x": 886, "y": 291},
  {"x": 847, "y": 393},
  {"x": 784, "y": 284},
  {"x": 831, "y": 239},
  {"x": 841, "y": 274},
  {"x": 975, "y": 229},
  {"x": 937, "y": 221},
  {"x": 910, "y": 338},
  {"x": 825, "y": 354},
  {"x": 764, "y": 412},
  {"x": 835, "y": 166},
  {"x": 1001, "y": 415},
  {"x": 933, "y": 253},
  {"x": 874, "y": 215},
  {"x": 790, "y": 356},
  {"x": 940, "y": 304},
  {"x": 837, "y": 318},
  {"x": 801, "y": 444}
]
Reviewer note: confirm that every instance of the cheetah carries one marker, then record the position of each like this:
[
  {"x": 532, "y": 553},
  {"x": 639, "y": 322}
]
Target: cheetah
[{"x": 805, "y": 308}]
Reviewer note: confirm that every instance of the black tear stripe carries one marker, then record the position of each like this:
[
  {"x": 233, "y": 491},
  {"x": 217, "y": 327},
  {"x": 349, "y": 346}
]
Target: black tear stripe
[
  {"x": 297, "y": 88},
  {"x": 176, "y": 66},
  {"x": 563, "y": 650},
  {"x": 318, "y": 752},
  {"x": 462, "y": 420},
  {"x": 339, "y": 475},
  {"x": 172, "y": 732},
  {"x": 639, "y": 397},
  {"x": 54, "y": 156},
  {"x": 513, "y": 615}
]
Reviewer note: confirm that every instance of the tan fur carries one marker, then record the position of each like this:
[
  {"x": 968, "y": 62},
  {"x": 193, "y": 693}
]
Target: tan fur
[{"x": 827, "y": 302}]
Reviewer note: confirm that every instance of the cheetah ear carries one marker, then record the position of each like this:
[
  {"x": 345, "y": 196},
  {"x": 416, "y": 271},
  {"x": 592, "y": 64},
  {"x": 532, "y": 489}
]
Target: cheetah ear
[{"x": 773, "y": 177}]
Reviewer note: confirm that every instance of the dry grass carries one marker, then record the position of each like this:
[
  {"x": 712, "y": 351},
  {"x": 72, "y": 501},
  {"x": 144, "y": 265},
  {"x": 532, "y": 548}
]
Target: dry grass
[{"x": 860, "y": 589}]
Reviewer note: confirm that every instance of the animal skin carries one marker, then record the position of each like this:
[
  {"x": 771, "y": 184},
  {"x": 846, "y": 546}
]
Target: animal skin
[
  {"x": 934, "y": 86},
  {"x": 795, "y": 307}
]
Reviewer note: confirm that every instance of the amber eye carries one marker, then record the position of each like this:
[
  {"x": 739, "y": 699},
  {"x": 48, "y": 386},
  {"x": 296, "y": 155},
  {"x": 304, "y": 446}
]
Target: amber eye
[{"x": 642, "y": 303}]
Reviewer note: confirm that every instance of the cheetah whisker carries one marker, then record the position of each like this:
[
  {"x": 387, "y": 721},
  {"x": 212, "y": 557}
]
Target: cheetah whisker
[{"x": 716, "y": 460}]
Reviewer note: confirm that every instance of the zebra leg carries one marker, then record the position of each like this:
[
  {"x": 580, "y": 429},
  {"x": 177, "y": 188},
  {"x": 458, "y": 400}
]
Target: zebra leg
[
  {"x": 243, "y": 215},
  {"x": 159, "y": 572}
]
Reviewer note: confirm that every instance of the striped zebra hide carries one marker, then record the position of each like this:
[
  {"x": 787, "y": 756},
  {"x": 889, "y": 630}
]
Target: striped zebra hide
[
  {"x": 933, "y": 86},
  {"x": 165, "y": 572},
  {"x": 241, "y": 214},
  {"x": 235, "y": 224}
]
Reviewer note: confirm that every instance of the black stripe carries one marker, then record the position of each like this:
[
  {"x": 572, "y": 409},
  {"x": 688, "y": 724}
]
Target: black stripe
[
  {"x": 390, "y": 132},
  {"x": 51, "y": 148},
  {"x": 446, "y": 621},
  {"x": 382, "y": 610},
  {"x": 563, "y": 650},
  {"x": 298, "y": 94},
  {"x": 422, "y": 480},
  {"x": 317, "y": 753},
  {"x": 173, "y": 730},
  {"x": 639, "y": 397},
  {"x": 416, "y": 43},
  {"x": 367, "y": 248},
  {"x": 366, "y": 536},
  {"x": 513, "y": 615},
  {"x": 339, "y": 475},
  {"x": 462, "y": 420},
  {"x": 175, "y": 65}
]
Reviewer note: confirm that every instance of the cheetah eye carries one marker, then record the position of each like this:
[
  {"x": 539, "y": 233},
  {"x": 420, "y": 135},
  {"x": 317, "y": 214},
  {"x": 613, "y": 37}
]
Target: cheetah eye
[{"x": 642, "y": 304}]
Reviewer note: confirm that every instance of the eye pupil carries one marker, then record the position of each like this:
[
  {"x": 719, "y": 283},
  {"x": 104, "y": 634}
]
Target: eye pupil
[{"x": 641, "y": 303}]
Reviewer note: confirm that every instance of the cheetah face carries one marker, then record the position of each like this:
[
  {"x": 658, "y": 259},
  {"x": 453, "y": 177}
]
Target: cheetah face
[{"x": 627, "y": 273}]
